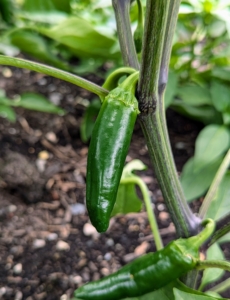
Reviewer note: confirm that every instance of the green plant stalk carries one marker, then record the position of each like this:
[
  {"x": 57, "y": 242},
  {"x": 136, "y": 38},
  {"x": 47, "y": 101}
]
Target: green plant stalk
[
  {"x": 155, "y": 24},
  {"x": 219, "y": 264},
  {"x": 214, "y": 186},
  {"x": 129, "y": 55},
  {"x": 222, "y": 228},
  {"x": 221, "y": 287},
  {"x": 152, "y": 119},
  {"x": 33, "y": 66},
  {"x": 185, "y": 221},
  {"x": 173, "y": 11},
  {"x": 151, "y": 216}
]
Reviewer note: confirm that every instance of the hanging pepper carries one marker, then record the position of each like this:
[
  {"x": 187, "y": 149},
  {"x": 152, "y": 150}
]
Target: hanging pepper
[
  {"x": 149, "y": 272},
  {"x": 108, "y": 148}
]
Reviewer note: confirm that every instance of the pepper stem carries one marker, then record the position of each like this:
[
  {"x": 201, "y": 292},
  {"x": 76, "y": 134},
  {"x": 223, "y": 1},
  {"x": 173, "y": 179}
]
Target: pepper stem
[
  {"x": 112, "y": 80},
  {"x": 199, "y": 239},
  {"x": 51, "y": 71},
  {"x": 129, "y": 84}
]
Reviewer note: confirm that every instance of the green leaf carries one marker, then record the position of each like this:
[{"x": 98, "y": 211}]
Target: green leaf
[
  {"x": 46, "y": 5},
  {"x": 196, "y": 179},
  {"x": 180, "y": 295},
  {"x": 226, "y": 117},
  {"x": 7, "y": 112},
  {"x": 37, "y": 102},
  {"x": 221, "y": 73},
  {"x": 216, "y": 28},
  {"x": 220, "y": 203},
  {"x": 212, "y": 274},
  {"x": 5, "y": 101},
  {"x": 168, "y": 292},
  {"x": 89, "y": 119},
  {"x": 211, "y": 143},
  {"x": 7, "y": 8},
  {"x": 127, "y": 200},
  {"x": 35, "y": 45},
  {"x": 220, "y": 95},
  {"x": 81, "y": 38},
  {"x": 171, "y": 88},
  {"x": 205, "y": 113},
  {"x": 194, "y": 95}
]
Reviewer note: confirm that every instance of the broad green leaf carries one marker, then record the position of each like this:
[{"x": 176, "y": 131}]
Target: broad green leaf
[
  {"x": 5, "y": 101},
  {"x": 89, "y": 119},
  {"x": 7, "y": 8},
  {"x": 205, "y": 113},
  {"x": 194, "y": 95},
  {"x": 35, "y": 45},
  {"x": 7, "y": 49},
  {"x": 181, "y": 295},
  {"x": 81, "y": 38},
  {"x": 220, "y": 203},
  {"x": 212, "y": 274},
  {"x": 38, "y": 5},
  {"x": 46, "y": 5},
  {"x": 127, "y": 200},
  {"x": 7, "y": 112},
  {"x": 171, "y": 88},
  {"x": 226, "y": 117},
  {"x": 62, "y": 5},
  {"x": 49, "y": 17},
  {"x": 221, "y": 73},
  {"x": 220, "y": 95},
  {"x": 195, "y": 180},
  {"x": 211, "y": 143},
  {"x": 37, "y": 102},
  {"x": 216, "y": 28},
  {"x": 167, "y": 293}
]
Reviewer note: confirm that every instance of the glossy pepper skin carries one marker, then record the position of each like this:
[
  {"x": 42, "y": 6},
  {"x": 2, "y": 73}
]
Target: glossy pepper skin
[
  {"x": 149, "y": 272},
  {"x": 108, "y": 148}
]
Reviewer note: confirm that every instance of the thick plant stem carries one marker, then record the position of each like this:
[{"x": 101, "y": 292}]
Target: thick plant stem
[
  {"x": 185, "y": 221},
  {"x": 129, "y": 55},
  {"x": 152, "y": 118},
  {"x": 155, "y": 24}
]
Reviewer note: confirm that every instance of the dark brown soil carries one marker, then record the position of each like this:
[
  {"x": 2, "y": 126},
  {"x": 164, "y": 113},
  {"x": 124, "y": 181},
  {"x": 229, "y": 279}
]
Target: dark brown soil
[{"x": 46, "y": 250}]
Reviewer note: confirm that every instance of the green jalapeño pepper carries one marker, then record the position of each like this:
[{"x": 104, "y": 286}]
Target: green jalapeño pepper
[
  {"x": 149, "y": 272},
  {"x": 108, "y": 148}
]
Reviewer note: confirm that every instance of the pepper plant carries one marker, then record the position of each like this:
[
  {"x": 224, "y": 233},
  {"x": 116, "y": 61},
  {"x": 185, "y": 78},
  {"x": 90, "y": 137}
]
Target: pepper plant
[{"x": 170, "y": 273}]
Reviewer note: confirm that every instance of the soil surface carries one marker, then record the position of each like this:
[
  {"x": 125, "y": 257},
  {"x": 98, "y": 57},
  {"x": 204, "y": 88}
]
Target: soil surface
[{"x": 48, "y": 247}]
